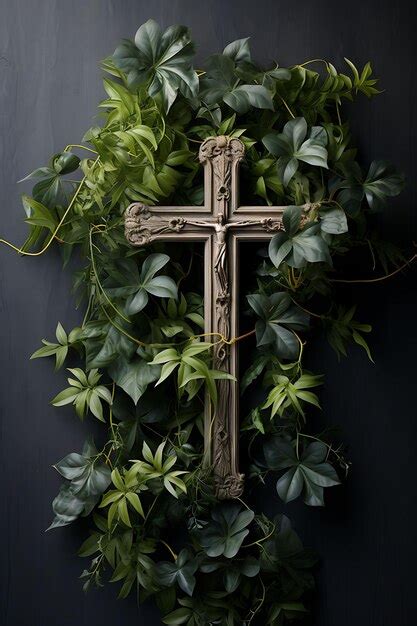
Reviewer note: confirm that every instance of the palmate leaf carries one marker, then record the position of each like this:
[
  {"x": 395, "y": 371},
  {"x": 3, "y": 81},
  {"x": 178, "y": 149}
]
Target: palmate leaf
[
  {"x": 191, "y": 370},
  {"x": 333, "y": 220},
  {"x": 284, "y": 556},
  {"x": 291, "y": 147},
  {"x": 136, "y": 286},
  {"x": 342, "y": 330},
  {"x": 238, "y": 51},
  {"x": 123, "y": 497},
  {"x": 225, "y": 531},
  {"x": 233, "y": 570},
  {"x": 154, "y": 466},
  {"x": 162, "y": 61},
  {"x": 52, "y": 190},
  {"x": 292, "y": 393},
  {"x": 104, "y": 342},
  {"x": 181, "y": 572},
  {"x": 221, "y": 84},
  {"x": 381, "y": 182},
  {"x": 133, "y": 376},
  {"x": 298, "y": 246},
  {"x": 84, "y": 393},
  {"x": 58, "y": 350},
  {"x": 278, "y": 317},
  {"x": 308, "y": 474},
  {"x": 87, "y": 478}
]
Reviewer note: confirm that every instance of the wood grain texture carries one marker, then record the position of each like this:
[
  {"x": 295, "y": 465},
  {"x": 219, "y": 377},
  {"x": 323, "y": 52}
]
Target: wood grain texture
[{"x": 49, "y": 88}]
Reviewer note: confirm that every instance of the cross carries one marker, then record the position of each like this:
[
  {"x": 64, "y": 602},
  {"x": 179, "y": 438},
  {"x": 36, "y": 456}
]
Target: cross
[{"x": 220, "y": 224}]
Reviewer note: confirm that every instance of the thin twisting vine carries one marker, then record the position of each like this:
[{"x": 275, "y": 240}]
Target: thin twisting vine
[{"x": 140, "y": 361}]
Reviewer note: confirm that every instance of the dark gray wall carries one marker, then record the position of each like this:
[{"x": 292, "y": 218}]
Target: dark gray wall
[{"x": 49, "y": 88}]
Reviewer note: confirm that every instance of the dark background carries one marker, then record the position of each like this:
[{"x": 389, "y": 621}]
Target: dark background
[{"x": 49, "y": 88}]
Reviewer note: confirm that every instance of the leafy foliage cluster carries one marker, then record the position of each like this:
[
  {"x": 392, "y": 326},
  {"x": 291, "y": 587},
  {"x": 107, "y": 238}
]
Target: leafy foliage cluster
[{"x": 143, "y": 363}]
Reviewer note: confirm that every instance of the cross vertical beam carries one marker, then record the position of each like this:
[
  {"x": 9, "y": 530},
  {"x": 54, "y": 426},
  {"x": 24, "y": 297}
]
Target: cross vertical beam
[{"x": 220, "y": 224}]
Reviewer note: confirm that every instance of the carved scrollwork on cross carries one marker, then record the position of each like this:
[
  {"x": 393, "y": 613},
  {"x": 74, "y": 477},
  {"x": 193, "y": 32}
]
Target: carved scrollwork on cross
[
  {"x": 142, "y": 226},
  {"x": 230, "y": 487},
  {"x": 271, "y": 225},
  {"x": 224, "y": 153}
]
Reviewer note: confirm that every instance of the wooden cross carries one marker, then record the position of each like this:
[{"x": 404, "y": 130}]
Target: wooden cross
[{"x": 221, "y": 224}]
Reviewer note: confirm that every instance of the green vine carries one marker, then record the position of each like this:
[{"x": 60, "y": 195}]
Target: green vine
[{"x": 140, "y": 361}]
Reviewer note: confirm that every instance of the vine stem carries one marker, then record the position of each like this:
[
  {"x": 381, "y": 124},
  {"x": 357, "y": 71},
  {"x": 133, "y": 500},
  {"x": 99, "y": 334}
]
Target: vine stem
[
  {"x": 253, "y": 612},
  {"x": 96, "y": 276},
  {"x": 375, "y": 280},
  {"x": 306, "y": 310},
  {"x": 150, "y": 510},
  {"x": 60, "y": 223},
  {"x": 313, "y": 61},
  {"x": 78, "y": 145},
  {"x": 286, "y": 106},
  {"x": 174, "y": 556}
]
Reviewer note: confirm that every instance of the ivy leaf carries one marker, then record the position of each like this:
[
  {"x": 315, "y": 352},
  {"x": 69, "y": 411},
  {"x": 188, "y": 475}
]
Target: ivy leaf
[
  {"x": 233, "y": 570},
  {"x": 307, "y": 475},
  {"x": 38, "y": 215},
  {"x": 104, "y": 343},
  {"x": 226, "y": 530},
  {"x": 137, "y": 286},
  {"x": 221, "y": 84},
  {"x": 254, "y": 370},
  {"x": 381, "y": 182},
  {"x": 238, "y": 51},
  {"x": 296, "y": 246},
  {"x": 333, "y": 220},
  {"x": 161, "y": 60},
  {"x": 51, "y": 190},
  {"x": 284, "y": 554},
  {"x": 66, "y": 506},
  {"x": 291, "y": 146},
  {"x": 241, "y": 98},
  {"x": 181, "y": 572},
  {"x": 133, "y": 376},
  {"x": 87, "y": 478},
  {"x": 278, "y": 314}
]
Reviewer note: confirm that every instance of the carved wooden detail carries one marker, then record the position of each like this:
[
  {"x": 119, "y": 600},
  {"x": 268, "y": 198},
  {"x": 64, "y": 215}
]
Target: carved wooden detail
[{"x": 220, "y": 224}]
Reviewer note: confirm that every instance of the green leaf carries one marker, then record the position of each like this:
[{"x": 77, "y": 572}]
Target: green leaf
[
  {"x": 307, "y": 475},
  {"x": 225, "y": 531},
  {"x": 291, "y": 147},
  {"x": 133, "y": 376},
  {"x": 220, "y": 83},
  {"x": 278, "y": 314},
  {"x": 179, "y": 616},
  {"x": 241, "y": 98},
  {"x": 181, "y": 572},
  {"x": 162, "y": 61},
  {"x": 238, "y": 51},
  {"x": 341, "y": 329},
  {"x": 126, "y": 281},
  {"x": 381, "y": 182},
  {"x": 303, "y": 246},
  {"x": 51, "y": 190},
  {"x": 333, "y": 220},
  {"x": 253, "y": 371}
]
